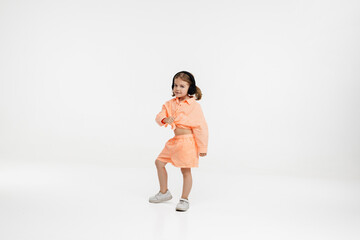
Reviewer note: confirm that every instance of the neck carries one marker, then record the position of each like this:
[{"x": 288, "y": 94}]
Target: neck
[{"x": 184, "y": 98}]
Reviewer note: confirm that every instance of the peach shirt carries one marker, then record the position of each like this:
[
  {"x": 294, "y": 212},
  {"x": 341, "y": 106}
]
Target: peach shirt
[{"x": 187, "y": 114}]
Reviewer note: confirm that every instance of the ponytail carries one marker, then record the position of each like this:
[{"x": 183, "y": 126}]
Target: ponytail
[{"x": 198, "y": 93}]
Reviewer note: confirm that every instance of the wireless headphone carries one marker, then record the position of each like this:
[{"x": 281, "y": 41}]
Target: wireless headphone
[{"x": 192, "y": 88}]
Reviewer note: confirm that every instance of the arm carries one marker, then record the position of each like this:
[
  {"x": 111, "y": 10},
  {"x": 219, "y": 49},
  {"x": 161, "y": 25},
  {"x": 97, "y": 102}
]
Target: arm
[
  {"x": 200, "y": 130},
  {"x": 161, "y": 115}
]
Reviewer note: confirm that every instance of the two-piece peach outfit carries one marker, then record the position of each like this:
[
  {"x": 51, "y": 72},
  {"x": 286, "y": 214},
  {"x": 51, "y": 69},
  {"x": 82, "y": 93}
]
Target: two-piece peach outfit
[{"x": 183, "y": 150}]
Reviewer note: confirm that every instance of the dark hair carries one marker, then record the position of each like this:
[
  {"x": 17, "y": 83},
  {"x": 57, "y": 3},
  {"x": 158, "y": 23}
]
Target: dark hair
[{"x": 189, "y": 78}]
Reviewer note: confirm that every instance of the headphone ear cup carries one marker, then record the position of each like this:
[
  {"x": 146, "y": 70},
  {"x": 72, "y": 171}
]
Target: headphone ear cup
[
  {"x": 172, "y": 85},
  {"x": 192, "y": 89}
]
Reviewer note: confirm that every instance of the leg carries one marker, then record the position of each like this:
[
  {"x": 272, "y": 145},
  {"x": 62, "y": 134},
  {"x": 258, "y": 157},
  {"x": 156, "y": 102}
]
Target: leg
[
  {"x": 162, "y": 175},
  {"x": 187, "y": 182}
]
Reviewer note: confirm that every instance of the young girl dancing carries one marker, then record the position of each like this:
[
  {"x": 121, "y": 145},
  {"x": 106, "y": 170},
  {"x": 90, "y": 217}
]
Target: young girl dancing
[{"x": 186, "y": 118}]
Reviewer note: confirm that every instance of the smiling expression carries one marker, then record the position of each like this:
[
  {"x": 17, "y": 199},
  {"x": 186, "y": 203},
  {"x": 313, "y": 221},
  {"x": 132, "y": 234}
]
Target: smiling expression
[{"x": 180, "y": 88}]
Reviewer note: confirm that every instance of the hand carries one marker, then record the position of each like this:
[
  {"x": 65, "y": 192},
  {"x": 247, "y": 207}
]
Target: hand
[
  {"x": 169, "y": 120},
  {"x": 202, "y": 154}
]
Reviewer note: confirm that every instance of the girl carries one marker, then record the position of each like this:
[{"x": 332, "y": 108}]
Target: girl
[{"x": 186, "y": 118}]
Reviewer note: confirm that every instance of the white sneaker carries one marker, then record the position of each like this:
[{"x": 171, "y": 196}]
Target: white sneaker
[
  {"x": 183, "y": 205},
  {"x": 160, "y": 197}
]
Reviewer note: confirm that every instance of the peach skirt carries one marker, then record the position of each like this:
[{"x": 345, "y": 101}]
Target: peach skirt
[{"x": 180, "y": 151}]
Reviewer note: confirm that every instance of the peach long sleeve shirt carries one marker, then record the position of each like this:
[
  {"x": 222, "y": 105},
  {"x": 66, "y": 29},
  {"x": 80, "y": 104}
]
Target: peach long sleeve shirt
[{"x": 187, "y": 114}]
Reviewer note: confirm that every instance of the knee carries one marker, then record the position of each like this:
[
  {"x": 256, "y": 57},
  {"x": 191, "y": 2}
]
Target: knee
[{"x": 159, "y": 164}]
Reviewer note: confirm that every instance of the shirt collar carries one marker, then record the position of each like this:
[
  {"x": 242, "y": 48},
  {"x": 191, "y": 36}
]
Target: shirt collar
[{"x": 189, "y": 100}]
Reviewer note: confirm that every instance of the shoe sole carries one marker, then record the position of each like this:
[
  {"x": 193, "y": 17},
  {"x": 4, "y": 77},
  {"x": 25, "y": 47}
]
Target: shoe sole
[
  {"x": 160, "y": 201},
  {"x": 181, "y": 210}
]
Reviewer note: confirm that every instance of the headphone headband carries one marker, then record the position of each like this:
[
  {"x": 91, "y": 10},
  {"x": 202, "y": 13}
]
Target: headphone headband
[{"x": 192, "y": 79}]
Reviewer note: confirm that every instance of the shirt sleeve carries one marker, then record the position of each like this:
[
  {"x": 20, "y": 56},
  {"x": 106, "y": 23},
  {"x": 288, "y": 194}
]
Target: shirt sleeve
[
  {"x": 200, "y": 130},
  {"x": 161, "y": 115}
]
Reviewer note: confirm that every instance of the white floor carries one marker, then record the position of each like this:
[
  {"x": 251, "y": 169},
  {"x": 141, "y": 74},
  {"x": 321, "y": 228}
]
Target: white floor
[{"x": 98, "y": 202}]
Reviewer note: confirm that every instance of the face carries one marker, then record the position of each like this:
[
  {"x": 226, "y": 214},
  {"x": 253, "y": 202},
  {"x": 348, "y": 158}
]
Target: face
[{"x": 180, "y": 88}]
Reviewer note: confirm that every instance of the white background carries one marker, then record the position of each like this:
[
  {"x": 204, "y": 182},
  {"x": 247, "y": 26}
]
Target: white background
[{"x": 82, "y": 81}]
